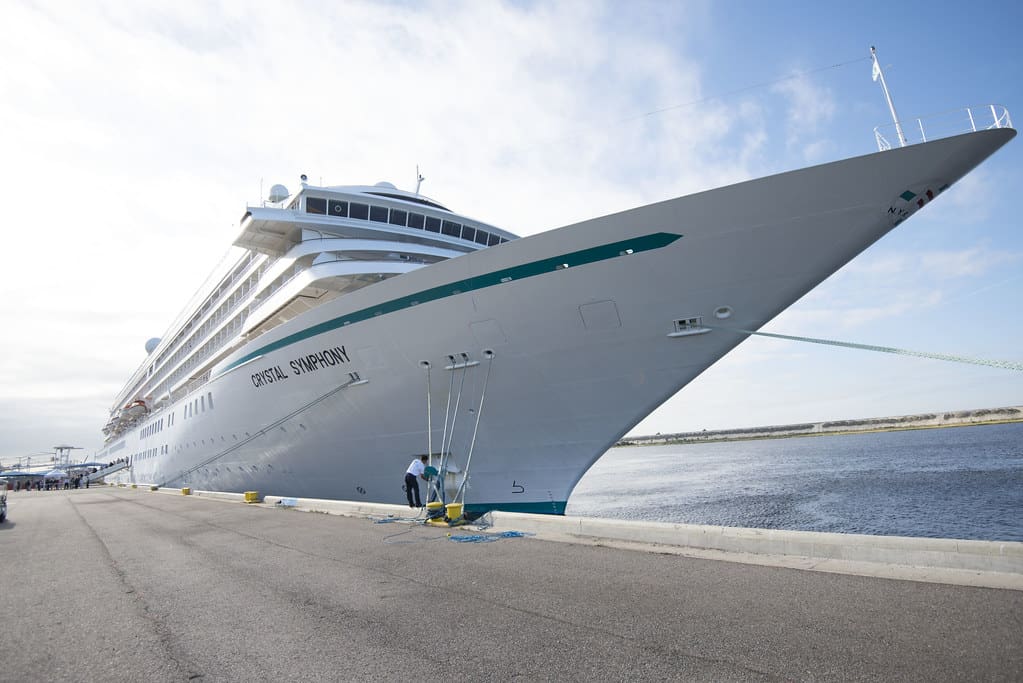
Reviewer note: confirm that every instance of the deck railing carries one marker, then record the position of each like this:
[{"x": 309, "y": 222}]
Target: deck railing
[{"x": 943, "y": 125}]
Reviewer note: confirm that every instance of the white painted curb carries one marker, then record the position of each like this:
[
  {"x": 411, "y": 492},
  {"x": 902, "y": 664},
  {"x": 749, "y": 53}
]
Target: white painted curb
[{"x": 986, "y": 556}]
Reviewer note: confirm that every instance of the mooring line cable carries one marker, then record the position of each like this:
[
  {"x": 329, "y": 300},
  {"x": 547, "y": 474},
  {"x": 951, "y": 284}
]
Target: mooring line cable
[
  {"x": 458, "y": 400},
  {"x": 1005, "y": 365},
  {"x": 429, "y": 416},
  {"x": 447, "y": 412},
  {"x": 431, "y": 486},
  {"x": 472, "y": 444}
]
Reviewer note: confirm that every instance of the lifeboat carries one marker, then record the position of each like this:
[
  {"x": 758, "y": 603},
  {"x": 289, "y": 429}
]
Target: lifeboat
[{"x": 136, "y": 409}]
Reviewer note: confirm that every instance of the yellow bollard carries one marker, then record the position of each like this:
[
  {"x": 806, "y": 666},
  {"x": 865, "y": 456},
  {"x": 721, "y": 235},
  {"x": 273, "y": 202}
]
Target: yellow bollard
[
  {"x": 252, "y": 497},
  {"x": 185, "y": 491}
]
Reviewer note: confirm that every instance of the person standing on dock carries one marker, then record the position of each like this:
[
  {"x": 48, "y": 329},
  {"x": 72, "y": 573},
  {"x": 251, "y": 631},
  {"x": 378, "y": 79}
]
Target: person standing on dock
[{"x": 416, "y": 469}]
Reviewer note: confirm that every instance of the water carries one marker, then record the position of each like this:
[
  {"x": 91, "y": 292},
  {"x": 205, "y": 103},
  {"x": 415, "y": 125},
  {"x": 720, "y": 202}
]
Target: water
[{"x": 964, "y": 482}]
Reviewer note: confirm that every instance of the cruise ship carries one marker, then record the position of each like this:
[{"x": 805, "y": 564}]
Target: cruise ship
[{"x": 364, "y": 326}]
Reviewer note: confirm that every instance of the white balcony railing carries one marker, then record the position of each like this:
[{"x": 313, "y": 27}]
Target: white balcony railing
[{"x": 943, "y": 125}]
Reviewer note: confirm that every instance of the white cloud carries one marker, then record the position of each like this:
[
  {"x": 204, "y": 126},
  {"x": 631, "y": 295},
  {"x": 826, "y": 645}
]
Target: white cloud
[
  {"x": 970, "y": 262},
  {"x": 809, "y": 108}
]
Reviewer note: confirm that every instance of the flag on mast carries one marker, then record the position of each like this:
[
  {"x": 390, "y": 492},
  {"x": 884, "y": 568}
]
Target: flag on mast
[{"x": 877, "y": 70}]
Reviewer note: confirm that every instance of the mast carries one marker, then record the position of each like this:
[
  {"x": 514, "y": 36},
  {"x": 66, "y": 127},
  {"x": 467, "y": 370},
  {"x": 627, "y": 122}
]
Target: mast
[
  {"x": 419, "y": 178},
  {"x": 878, "y": 73}
]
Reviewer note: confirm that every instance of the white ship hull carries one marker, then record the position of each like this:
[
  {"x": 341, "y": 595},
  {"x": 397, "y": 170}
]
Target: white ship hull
[{"x": 581, "y": 353}]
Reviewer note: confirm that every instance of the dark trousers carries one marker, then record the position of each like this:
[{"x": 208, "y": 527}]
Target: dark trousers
[{"x": 412, "y": 485}]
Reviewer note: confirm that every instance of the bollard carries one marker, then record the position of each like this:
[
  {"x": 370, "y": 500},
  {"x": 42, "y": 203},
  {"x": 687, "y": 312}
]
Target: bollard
[
  {"x": 186, "y": 491},
  {"x": 252, "y": 497},
  {"x": 154, "y": 487}
]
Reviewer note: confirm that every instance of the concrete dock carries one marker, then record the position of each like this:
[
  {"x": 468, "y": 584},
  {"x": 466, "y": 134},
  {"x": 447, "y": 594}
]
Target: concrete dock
[{"x": 122, "y": 585}]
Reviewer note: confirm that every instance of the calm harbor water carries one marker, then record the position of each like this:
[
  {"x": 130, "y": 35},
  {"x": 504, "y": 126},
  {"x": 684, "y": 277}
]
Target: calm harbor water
[{"x": 964, "y": 482}]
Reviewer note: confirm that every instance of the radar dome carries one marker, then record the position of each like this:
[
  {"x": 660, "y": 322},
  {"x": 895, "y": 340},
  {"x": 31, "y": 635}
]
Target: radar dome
[
  {"x": 386, "y": 185},
  {"x": 278, "y": 193},
  {"x": 152, "y": 344}
]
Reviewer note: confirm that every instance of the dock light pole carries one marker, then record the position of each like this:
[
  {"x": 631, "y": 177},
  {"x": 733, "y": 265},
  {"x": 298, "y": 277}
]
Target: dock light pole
[{"x": 879, "y": 74}]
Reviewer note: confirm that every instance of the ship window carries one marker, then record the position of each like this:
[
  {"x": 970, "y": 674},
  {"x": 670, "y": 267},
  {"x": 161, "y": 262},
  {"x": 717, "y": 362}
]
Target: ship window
[
  {"x": 210, "y": 397},
  {"x": 492, "y": 240},
  {"x": 482, "y": 237},
  {"x": 452, "y": 229},
  {"x": 398, "y": 217},
  {"x": 432, "y": 224},
  {"x": 378, "y": 214},
  {"x": 358, "y": 211},
  {"x": 415, "y": 220},
  {"x": 315, "y": 205},
  {"x": 338, "y": 209},
  {"x": 468, "y": 233}
]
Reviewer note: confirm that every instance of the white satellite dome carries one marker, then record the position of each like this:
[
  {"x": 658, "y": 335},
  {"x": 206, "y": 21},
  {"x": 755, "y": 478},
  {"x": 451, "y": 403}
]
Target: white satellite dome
[
  {"x": 278, "y": 193},
  {"x": 386, "y": 185},
  {"x": 152, "y": 344}
]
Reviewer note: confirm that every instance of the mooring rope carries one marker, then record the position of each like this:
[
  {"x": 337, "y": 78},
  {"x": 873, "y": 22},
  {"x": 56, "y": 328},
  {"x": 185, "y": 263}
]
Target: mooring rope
[
  {"x": 431, "y": 486},
  {"x": 1003, "y": 364},
  {"x": 479, "y": 412}
]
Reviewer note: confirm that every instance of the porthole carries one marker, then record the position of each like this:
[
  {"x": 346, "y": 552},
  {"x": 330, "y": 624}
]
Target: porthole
[{"x": 723, "y": 312}]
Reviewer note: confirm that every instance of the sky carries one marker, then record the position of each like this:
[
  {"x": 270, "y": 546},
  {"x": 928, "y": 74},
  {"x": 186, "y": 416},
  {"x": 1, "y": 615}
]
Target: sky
[{"x": 135, "y": 133}]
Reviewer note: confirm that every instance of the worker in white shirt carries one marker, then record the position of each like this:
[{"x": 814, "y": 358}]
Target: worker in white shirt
[{"x": 416, "y": 469}]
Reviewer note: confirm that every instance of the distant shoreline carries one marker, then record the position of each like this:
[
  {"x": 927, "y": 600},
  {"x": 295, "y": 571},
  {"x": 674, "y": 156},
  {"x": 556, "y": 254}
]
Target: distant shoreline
[{"x": 960, "y": 418}]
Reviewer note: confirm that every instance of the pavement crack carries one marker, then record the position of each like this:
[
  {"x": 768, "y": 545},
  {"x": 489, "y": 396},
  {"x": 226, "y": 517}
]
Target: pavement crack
[{"x": 163, "y": 635}]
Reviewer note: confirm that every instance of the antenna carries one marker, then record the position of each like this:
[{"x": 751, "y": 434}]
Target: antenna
[
  {"x": 878, "y": 73},
  {"x": 419, "y": 178}
]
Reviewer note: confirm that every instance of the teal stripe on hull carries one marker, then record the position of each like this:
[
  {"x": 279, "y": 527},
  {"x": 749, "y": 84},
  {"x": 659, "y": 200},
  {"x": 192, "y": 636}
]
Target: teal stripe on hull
[
  {"x": 554, "y": 507},
  {"x": 526, "y": 270}
]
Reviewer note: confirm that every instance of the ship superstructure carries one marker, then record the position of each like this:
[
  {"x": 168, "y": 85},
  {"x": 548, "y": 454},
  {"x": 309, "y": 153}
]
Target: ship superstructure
[{"x": 300, "y": 251}]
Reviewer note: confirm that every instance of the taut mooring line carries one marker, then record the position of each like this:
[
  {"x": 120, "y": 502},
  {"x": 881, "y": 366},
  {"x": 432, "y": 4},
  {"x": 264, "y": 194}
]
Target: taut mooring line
[{"x": 1003, "y": 364}]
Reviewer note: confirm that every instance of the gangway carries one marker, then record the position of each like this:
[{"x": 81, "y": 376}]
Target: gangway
[{"x": 109, "y": 469}]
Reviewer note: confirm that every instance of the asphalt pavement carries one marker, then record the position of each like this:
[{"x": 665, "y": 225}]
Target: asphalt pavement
[{"x": 115, "y": 584}]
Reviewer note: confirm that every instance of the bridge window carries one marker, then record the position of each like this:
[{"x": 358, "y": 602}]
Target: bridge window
[
  {"x": 415, "y": 220},
  {"x": 468, "y": 233},
  {"x": 378, "y": 214},
  {"x": 338, "y": 209},
  {"x": 358, "y": 211},
  {"x": 316, "y": 205},
  {"x": 452, "y": 229},
  {"x": 432, "y": 224},
  {"x": 398, "y": 217}
]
